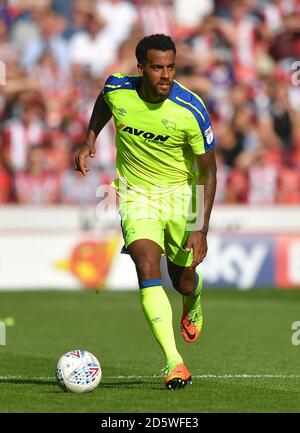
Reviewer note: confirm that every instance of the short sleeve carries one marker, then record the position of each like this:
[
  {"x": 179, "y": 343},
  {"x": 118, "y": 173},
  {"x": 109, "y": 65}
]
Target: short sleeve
[{"x": 199, "y": 131}]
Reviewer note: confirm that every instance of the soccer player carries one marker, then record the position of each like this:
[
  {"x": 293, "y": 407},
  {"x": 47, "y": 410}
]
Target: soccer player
[{"x": 162, "y": 131}]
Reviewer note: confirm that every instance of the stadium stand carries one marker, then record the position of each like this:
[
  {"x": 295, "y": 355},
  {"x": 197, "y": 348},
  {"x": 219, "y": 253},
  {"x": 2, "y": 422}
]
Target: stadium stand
[{"x": 238, "y": 56}]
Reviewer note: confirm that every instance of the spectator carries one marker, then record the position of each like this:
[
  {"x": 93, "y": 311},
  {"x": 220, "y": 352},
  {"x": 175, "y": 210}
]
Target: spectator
[
  {"x": 263, "y": 178},
  {"x": 295, "y": 156},
  {"x": 26, "y": 27},
  {"x": 6, "y": 184},
  {"x": 156, "y": 17},
  {"x": 63, "y": 8},
  {"x": 237, "y": 186},
  {"x": 240, "y": 33},
  {"x": 78, "y": 19},
  {"x": 126, "y": 60},
  {"x": 37, "y": 185},
  {"x": 189, "y": 18},
  {"x": 76, "y": 189},
  {"x": 58, "y": 152},
  {"x": 93, "y": 49},
  {"x": 229, "y": 145},
  {"x": 222, "y": 179},
  {"x": 288, "y": 191},
  {"x": 55, "y": 86},
  {"x": 281, "y": 114},
  {"x": 51, "y": 27},
  {"x": 8, "y": 50},
  {"x": 120, "y": 17},
  {"x": 20, "y": 134},
  {"x": 236, "y": 55},
  {"x": 245, "y": 128}
]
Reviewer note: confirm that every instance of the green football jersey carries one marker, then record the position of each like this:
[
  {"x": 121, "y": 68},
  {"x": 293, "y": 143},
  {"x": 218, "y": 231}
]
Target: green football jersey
[{"x": 156, "y": 143}]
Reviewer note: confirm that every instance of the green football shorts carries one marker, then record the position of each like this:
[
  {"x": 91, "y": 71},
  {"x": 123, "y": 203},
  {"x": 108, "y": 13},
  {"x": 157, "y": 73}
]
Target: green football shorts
[{"x": 165, "y": 218}]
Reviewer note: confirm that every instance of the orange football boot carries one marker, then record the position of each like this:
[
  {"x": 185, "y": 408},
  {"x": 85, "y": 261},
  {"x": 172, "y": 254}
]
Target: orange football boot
[
  {"x": 191, "y": 325},
  {"x": 177, "y": 377}
]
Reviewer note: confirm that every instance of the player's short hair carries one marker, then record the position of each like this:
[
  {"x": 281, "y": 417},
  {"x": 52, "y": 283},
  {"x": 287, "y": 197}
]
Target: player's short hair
[{"x": 159, "y": 42}]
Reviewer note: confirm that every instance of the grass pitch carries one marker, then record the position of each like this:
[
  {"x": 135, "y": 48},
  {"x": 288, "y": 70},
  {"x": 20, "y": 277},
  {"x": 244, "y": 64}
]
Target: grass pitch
[{"x": 245, "y": 361}]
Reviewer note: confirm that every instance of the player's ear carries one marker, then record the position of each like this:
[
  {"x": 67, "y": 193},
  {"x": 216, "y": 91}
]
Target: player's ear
[{"x": 140, "y": 69}]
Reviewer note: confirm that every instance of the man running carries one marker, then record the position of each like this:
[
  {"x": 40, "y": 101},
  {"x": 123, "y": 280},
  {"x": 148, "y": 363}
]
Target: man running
[{"x": 163, "y": 130}]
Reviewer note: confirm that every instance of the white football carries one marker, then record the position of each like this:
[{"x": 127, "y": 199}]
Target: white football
[{"x": 78, "y": 371}]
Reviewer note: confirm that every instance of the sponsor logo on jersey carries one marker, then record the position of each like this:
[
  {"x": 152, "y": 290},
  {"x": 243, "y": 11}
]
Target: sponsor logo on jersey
[{"x": 141, "y": 133}]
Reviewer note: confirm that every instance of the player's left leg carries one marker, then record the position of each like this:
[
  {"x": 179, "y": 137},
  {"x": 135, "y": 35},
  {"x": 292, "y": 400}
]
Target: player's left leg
[
  {"x": 185, "y": 279},
  {"x": 188, "y": 282}
]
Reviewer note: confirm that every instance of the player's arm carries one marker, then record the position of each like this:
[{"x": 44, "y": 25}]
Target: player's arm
[
  {"x": 99, "y": 118},
  {"x": 207, "y": 167}
]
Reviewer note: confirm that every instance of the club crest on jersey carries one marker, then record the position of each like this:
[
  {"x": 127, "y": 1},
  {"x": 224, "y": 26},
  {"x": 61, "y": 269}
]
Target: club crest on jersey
[
  {"x": 169, "y": 124},
  {"x": 209, "y": 135},
  {"x": 150, "y": 136}
]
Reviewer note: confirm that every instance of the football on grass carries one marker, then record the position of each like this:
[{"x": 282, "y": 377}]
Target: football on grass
[{"x": 78, "y": 371}]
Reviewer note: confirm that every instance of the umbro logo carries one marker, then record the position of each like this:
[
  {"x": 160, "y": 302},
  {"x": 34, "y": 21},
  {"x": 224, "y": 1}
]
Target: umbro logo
[
  {"x": 155, "y": 320},
  {"x": 129, "y": 232},
  {"x": 121, "y": 111}
]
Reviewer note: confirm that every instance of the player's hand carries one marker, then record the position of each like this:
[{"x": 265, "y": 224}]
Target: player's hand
[
  {"x": 80, "y": 158},
  {"x": 198, "y": 244}
]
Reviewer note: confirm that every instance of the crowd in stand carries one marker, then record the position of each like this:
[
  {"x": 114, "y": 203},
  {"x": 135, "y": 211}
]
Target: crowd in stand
[{"x": 242, "y": 57}]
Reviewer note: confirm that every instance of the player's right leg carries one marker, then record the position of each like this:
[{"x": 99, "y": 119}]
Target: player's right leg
[{"x": 143, "y": 232}]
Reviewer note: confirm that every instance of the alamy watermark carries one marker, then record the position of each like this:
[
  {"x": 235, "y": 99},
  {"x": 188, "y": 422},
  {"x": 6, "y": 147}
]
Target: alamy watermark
[
  {"x": 296, "y": 335},
  {"x": 185, "y": 202},
  {"x": 2, "y": 334}
]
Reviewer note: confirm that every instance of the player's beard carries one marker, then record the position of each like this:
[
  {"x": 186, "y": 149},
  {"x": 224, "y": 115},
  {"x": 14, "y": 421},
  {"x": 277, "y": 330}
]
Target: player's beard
[
  {"x": 158, "y": 90},
  {"x": 163, "y": 89},
  {"x": 154, "y": 90}
]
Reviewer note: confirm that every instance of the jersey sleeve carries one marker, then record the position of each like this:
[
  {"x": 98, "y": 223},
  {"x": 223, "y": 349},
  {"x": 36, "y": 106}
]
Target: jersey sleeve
[
  {"x": 115, "y": 82},
  {"x": 112, "y": 83},
  {"x": 199, "y": 131}
]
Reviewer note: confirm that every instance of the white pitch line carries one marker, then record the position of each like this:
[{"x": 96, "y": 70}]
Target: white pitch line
[
  {"x": 154, "y": 376},
  {"x": 216, "y": 376}
]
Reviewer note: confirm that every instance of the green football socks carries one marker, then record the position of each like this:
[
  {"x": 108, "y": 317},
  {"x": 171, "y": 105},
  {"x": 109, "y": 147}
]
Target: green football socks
[
  {"x": 192, "y": 302},
  {"x": 158, "y": 312}
]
